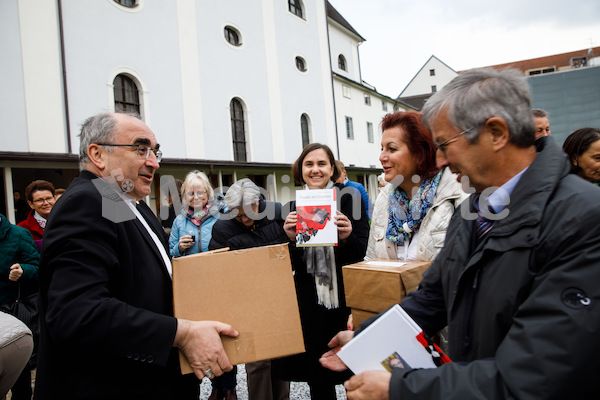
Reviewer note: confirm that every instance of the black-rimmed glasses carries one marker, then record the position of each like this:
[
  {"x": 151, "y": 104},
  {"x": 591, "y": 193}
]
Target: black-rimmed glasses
[{"x": 142, "y": 151}]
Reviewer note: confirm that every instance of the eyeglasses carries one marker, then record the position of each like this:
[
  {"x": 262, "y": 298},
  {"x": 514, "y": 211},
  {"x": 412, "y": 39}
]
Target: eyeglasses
[
  {"x": 48, "y": 200},
  {"x": 442, "y": 146},
  {"x": 199, "y": 193},
  {"x": 142, "y": 150}
]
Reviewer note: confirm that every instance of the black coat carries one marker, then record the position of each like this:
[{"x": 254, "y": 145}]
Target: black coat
[
  {"x": 319, "y": 324},
  {"x": 107, "y": 328},
  {"x": 266, "y": 231},
  {"x": 523, "y": 307}
]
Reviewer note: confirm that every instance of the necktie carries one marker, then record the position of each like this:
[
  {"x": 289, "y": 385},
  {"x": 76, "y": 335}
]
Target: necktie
[{"x": 482, "y": 225}]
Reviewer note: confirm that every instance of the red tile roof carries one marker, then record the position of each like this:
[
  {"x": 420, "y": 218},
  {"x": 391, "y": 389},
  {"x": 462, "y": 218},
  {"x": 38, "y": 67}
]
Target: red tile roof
[{"x": 557, "y": 61}]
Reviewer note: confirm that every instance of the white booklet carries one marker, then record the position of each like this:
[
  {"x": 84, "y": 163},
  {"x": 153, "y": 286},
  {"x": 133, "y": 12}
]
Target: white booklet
[
  {"x": 394, "y": 340},
  {"x": 316, "y": 211}
]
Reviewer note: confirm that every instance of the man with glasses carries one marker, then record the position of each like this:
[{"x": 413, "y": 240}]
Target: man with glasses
[
  {"x": 40, "y": 197},
  {"x": 517, "y": 279},
  {"x": 107, "y": 322}
]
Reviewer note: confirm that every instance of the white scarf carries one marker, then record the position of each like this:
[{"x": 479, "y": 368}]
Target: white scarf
[{"x": 320, "y": 263}]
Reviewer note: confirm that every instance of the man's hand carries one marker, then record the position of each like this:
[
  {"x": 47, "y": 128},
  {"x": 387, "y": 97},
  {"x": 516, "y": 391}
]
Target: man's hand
[
  {"x": 15, "y": 272},
  {"x": 330, "y": 360},
  {"x": 200, "y": 342},
  {"x": 372, "y": 385}
]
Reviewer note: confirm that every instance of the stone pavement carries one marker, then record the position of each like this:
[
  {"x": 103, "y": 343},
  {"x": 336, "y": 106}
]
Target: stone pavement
[{"x": 298, "y": 390}]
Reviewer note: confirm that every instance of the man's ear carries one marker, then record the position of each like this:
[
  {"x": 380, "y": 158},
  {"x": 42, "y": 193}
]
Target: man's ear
[
  {"x": 500, "y": 135},
  {"x": 97, "y": 155}
]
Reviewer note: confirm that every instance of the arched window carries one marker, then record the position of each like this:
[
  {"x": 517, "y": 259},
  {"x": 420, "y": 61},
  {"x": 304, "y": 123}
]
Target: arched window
[
  {"x": 232, "y": 36},
  {"x": 295, "y": 7},
  {"x": 305, "y": 129},
  {"x": 342, "y": 62},
  {"x": 127, "y": 95},
  {"x": 238, "y": 130}
]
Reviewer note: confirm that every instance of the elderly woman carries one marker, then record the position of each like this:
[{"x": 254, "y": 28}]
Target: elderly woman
[
  {"x": 413, "y": 211},
  {"x": 192, "y": 229},
  {"x": 252, "y": 222},
  {"x": 321, "y": 299},
  {"x": 583, "y": 149}
]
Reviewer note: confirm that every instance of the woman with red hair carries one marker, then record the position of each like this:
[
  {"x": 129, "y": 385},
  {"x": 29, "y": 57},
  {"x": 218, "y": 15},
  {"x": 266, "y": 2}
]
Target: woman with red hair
[{"x": 413, "y": 210}]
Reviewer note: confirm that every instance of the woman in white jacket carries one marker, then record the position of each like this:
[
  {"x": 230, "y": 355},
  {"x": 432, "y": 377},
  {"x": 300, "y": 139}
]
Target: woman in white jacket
[{"x": 411, "y": 212}]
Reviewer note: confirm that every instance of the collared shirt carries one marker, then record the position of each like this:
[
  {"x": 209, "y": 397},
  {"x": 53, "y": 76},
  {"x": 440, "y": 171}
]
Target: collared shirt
[
  {"x": 500, "y": 198},
  {"x": 130, "y": 201},
  {"x": 40, "y": 220}
]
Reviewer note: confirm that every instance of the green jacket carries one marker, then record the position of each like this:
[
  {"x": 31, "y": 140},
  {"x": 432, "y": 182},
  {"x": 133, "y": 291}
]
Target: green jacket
[{"x": 16, "y": 246}]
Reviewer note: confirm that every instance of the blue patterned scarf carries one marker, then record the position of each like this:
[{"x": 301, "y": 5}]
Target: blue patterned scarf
[{"x": 405, "y": 215}]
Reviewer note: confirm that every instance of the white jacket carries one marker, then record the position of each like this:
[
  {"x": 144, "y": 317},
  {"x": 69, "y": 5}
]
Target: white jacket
[{"x": 432, "y": 232}]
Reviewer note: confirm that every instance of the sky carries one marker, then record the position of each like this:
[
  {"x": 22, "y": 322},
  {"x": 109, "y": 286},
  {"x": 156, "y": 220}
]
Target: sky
[{"x": 401, "y": 35}]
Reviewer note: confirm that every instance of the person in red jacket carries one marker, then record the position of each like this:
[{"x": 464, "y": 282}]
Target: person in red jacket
[{"x": 40, "y": 197}]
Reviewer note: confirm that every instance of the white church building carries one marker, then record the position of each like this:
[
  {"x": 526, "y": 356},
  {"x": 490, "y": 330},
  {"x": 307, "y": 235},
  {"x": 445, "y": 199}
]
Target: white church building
[{"x": 234, "y": 88}]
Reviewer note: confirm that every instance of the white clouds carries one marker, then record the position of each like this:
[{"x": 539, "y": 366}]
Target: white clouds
[{"x": 402, "y": 35}]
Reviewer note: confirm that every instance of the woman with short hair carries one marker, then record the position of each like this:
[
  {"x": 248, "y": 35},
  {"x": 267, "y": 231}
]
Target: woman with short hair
[{"x": 192, "y": 229}]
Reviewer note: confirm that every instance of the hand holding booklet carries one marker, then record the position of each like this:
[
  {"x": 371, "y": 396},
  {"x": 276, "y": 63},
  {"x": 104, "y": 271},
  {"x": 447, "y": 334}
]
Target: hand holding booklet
[
  {"x": 316, "y": 210},
  {"x": 394, "y": 340}
]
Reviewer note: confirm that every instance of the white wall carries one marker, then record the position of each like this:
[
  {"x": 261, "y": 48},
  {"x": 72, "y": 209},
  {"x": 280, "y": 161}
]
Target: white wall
[{"x": 422, "y": 82}]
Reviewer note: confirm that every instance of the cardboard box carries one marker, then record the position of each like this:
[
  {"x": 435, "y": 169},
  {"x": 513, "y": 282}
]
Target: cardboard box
[
  {"x": 376, "y": 285},
  {"x": 252, "y": 290},
  {"x": 358, "y": 316}
]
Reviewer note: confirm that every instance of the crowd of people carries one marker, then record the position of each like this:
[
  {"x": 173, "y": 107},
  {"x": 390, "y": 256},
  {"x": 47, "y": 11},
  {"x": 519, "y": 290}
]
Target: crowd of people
[{"x": 511, "y": 290}]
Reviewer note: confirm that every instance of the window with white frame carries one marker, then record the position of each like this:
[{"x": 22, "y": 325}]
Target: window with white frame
[
  {"x": 342, "y": 63},
  {"x": 367, "y": 99},
  {"x": 232, "y": 36},
  {"x": 127, "y": 94},
  {"x": 305, "y": 129},
  {"x": 349, "y": 128},
  {"x": 432, "y": 72},
  {"x": 370, "y": 136},
  {"x": 384, "y": 105},
  {"x": 295, "y": 7},
  {"x": 238, "y": 130},
  {"x": 346, "y": 91}
]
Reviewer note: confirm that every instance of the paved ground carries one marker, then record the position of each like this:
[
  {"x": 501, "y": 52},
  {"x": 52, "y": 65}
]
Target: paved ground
[{"x": 299, "y": 390}]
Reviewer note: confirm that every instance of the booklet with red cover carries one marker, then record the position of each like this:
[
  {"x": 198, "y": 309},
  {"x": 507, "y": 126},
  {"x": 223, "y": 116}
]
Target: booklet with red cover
[{"x": 315, "y": 225}]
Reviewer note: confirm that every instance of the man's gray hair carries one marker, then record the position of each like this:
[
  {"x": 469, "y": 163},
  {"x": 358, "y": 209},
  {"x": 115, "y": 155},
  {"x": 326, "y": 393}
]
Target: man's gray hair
[
  {"x": 472, "y": 98},
  {"x": 539, "y": 113},
  {"x": 241, "y": 193},
  {"x": 100, "y": 128}
]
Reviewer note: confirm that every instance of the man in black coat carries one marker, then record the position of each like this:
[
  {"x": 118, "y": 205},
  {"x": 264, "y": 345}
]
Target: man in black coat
[
  {"x": 107, "y": 325},
  {"x": 517, "y": 279}
]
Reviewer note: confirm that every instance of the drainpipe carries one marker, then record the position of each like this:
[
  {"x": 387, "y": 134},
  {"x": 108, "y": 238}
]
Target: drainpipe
[{"x": 64, "y": 74}]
